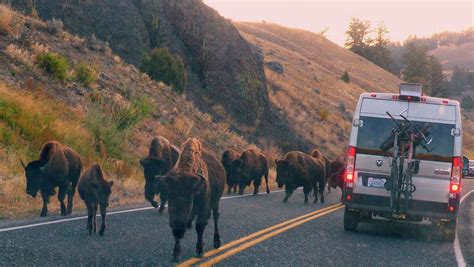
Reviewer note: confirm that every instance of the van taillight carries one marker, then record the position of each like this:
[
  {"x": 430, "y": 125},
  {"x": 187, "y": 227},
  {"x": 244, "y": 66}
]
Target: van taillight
[
  {"x": 349, "y": 173},
  {"x": 455, "y": 184}
]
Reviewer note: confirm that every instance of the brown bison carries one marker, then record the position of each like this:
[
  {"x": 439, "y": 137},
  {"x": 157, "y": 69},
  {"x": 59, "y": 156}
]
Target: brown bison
[
  {"x": 162, "y": 157},
  {"x": 317, "y": 154},
  {"x": 227, "y": 157},
  {"x": 300, "y": 169},
  {"x": 95, "y": 191},
  {"x": 251, "y": 166},
  {"x": 195, "y": 186},
  {"x": 336, "y": 172},
  {"x": 58, "y": 166}
]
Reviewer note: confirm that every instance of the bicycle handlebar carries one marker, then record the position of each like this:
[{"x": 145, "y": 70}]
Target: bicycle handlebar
[{"x": 403, "y": 130}]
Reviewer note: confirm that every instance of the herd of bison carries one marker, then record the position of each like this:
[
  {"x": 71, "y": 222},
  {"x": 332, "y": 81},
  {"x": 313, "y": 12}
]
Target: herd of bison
[{"x": 190, "y": 179}]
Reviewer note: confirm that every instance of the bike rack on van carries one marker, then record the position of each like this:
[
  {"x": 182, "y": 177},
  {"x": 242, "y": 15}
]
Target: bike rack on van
[{"x": 406, "y": 136}]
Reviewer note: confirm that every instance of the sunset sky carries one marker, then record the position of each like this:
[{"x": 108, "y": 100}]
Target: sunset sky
[{"x": 403, "y": 18}]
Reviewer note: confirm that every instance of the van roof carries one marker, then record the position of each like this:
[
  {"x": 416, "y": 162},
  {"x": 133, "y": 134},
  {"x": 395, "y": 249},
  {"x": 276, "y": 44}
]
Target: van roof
[{"x": 423, "y": 99}]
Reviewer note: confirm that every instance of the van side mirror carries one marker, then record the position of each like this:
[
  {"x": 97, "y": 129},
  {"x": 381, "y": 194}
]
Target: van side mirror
[{"x": 465, "y": 165}]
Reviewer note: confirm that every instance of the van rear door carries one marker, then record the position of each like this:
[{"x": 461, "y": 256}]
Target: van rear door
[{"x": 373, "y": 165}]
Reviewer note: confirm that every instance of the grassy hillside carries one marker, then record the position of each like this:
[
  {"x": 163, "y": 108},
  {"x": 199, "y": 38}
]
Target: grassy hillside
[
  {"x": 309, "y": 92},
  {"x": 110, "y": 120},
  {"x": 308, "y": 88},
  {"x": 461, "y": 56}
]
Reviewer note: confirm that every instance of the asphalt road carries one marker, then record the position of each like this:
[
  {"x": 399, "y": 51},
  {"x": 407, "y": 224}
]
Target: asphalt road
[{"x": 143, "y": 238}]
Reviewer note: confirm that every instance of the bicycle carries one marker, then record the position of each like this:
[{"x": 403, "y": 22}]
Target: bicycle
[{"x": 406, "y": 136}]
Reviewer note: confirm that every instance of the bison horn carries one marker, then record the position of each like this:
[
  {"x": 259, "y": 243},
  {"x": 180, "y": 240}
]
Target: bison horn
[{"x": 22, "y": 164}]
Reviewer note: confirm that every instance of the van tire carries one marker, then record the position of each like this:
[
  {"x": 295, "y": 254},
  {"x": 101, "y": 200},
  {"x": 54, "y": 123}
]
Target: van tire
[
  {"x": 351, "y": 220},
  {"x": 449, "y": 231}
]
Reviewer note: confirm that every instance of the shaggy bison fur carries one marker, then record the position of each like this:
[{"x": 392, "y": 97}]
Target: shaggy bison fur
[{"x": 195, "y": 186}]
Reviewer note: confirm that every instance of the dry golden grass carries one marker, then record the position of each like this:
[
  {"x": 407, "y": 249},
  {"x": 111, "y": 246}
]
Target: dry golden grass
[
  {"x": 67, "y": 125},
  {"x": 310, "y": 91},
  {"x": 6, "y": 19}
]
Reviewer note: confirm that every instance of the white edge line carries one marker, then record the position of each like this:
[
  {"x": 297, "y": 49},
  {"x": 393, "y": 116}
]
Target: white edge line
[
  {"x": 456, "y": 245},
  {"x": 108, "y": 213}
]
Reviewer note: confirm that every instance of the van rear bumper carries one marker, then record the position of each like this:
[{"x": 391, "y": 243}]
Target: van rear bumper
[{"x": 379, "y": 204}]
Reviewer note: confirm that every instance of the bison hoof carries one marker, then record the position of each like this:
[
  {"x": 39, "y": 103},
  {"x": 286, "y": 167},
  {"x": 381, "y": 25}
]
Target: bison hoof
[
  {"x": 200, "y": 255},
  {"x": 285, "y": 200},
  {"x": 154, "y": 204},
  {"x": 101, "y": 232},
  {"x": 43, "y": 214},
  {"x": 175, "y": 259},
  {"x": 268, "y": 191}
]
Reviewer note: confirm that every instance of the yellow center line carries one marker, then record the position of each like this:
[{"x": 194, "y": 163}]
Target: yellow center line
[
  {"x": 263, "y": 238},
  {"x": 246, "y": 238}
]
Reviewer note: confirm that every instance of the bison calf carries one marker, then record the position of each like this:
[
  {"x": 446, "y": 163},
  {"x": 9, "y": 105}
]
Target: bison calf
[
  {"x": 251, "y": 166},
  {"x": 300, "y": 169},
  {"x": 95, "y": 191},
  {"x": 227, "y": 157}
]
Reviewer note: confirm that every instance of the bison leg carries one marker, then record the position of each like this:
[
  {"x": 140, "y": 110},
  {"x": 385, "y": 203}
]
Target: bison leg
[
  {"x": 256, "y": 184},
  {"x": 103, "y": 211},
  {"x": 329, "y": 189},
  {"x": 217, "y": 237},
  {"x": 61, "y": 196},
  {"x": 322, "y": 186},
  {"x": 164, "y": 199},
  {"x": 70, "y": 197},
  {"x": 90, "y": 214},
  {"x": 288, "y": 193},
  {"x": 94, "y": 218},
  {"x": 241, "y": 189},
  {"x": 44, "y": 210},
  {"x": 306, "y": 191},
  {"x": 266, "y": 182},
  {"x": 200, "y": 227},
  {"x": 229, "y": 189},
  {"x": 235, "y": 188}
]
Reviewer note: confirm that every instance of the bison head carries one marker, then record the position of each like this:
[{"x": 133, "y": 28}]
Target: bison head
[
  {"x": 283, "y": 172},
  {"x": 151, "y": 168},
  {"x": 33, "y": 177},
  {"x": 181, "y": 188}
]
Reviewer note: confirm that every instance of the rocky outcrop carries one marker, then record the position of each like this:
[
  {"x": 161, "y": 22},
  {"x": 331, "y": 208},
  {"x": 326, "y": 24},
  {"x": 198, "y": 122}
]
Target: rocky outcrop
[{"x": 222, "y": 67}]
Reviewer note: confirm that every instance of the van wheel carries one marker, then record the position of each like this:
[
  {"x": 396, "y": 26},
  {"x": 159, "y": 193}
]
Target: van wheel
[
  {"x": 449, "y": 231},
  {"x": 351, "y": 219}
]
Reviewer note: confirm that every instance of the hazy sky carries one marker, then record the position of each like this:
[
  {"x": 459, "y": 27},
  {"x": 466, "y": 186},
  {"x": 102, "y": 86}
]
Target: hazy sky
[{"x": 403, "y": 18}]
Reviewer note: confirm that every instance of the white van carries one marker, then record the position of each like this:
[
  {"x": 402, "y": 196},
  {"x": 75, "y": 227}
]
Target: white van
[{"x": 431, "y": 192}]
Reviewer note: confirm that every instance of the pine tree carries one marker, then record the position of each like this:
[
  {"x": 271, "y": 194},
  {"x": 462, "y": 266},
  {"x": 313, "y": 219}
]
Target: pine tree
[
  {"x": 417, "y": 69},
  {"x": 358, "y": 36},
  {"x": 438, "y": 84}
]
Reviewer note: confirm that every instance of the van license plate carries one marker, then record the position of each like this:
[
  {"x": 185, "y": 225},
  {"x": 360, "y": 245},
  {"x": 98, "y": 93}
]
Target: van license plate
[{"x": 376, "y": 182}]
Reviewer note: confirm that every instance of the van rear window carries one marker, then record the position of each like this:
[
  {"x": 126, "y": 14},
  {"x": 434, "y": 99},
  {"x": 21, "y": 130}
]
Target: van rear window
[{"x": 375, "y": 131}]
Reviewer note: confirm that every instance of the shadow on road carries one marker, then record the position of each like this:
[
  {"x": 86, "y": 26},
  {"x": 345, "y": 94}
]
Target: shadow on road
[{"x": 402, "y": 230}]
